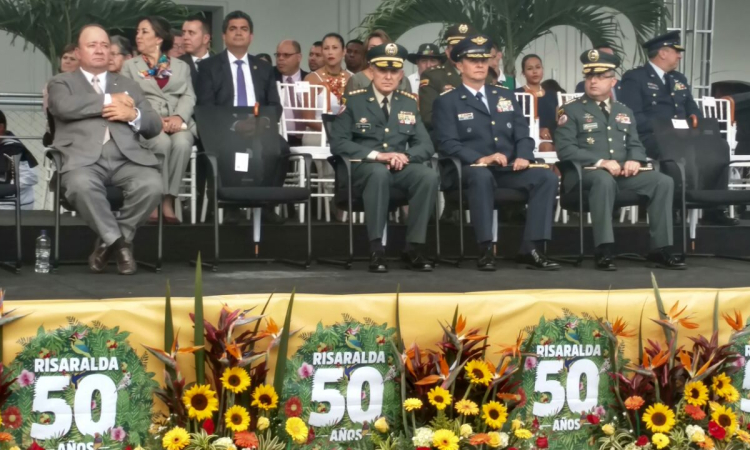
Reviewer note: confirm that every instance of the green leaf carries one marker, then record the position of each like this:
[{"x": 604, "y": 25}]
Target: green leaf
[
  {"x": 278, "y": 376},
  {"x": 716, "y": 313},
  {"x": 640, "y": 332},
  {"x": 200, "y": 355},
  {"x": 660, "y": 308},
  {"x": 400, "y": 340}
]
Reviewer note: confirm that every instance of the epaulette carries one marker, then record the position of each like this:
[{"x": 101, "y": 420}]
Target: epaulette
[
  {"x": 447, "y": 90},
  {"x": 408, "y": 94},
  {"x": 500, "y": 86},
  {"x": 357, "y": 92}
]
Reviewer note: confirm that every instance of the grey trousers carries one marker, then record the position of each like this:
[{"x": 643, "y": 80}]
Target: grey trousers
[
  {"x": 374, "y": 180},
  {"x": 176, "y": 149},
  {"x": 603, "y": 187},
  {"x": 85, "y": 189}
]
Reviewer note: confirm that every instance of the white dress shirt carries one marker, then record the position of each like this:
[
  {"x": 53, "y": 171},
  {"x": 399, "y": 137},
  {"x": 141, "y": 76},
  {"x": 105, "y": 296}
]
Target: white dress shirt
[
  {"x": 414, "y": 81},
  {"x": 197, "y": 59},
  {"x": 248, "y": 78},
  {"x": 484, "y": 96},
  {"x": 660, "y": 73},
  {"x": 379, "y": 98},
  {"x": 102, "y": 79}
]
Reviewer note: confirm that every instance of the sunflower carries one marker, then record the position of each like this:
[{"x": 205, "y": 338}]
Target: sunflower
[
  {"x": 467, "y": 408},
  {"x": 445, "y": 440},
  {"x": 200, "y": 401},
  {"x": 744, "y": 436},
  {"x": 296, "y": 429},
  {"x": 478, "y": 372},
  {"x": 237, "y": 418},
  {"x": 730, "y": 394},
  {"x": 439, "y": 397},
  {"x": 175, "y": 439},
  {"x": 696, "y": 393},
  {"x": 246, "y": 439},
  {"x": 494, "y": 414},
  {"x": 659, "y": 418},
  {"x": 720, "y": 383},
  {"x": 265, "y": 397},
  {"x": 725, "y": 417},
  {"x": 235, "y": 379},
  {"x": 412, "y": 404}
]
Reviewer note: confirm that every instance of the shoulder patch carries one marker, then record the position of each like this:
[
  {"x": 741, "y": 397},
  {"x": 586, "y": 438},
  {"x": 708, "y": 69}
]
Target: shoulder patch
[
  {"x": 407, "y": 94},
  {"x": 424, "y": 82},
  {"x": 500, "y": 86},
  {"x": 448, "y": 88}
]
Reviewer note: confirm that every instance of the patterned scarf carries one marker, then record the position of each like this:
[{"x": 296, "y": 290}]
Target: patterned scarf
[{"x": 160, "y": 70}]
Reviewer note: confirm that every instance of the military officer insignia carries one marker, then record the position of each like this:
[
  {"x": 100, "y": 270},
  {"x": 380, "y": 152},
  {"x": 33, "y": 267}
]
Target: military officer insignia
[
  {"x": 590, "y": 126},
  {"x": 341, "y": 110},
  {"x": 504, "y": 105},
  {"x": 509, "y": 125},
  {"x": 447, "y": 87},
  {"x": 590, "y": 140},
  {"x": 479, "y": 40},
  {"x": 622, "y": 118},
  {"x": 391, "y": 49},
  {"x": 653, "y": 86},
  {"x": 363, "y": 125},
  {"x": 466, "y": 116},
  {"x": 406, "y": 118},
  {"x": 588, "y": 117},
  {"x": 408, "y": 94},
  {"x": 594, "y": 55},
  {"x": 463, "y": 28},
  {"x": 424, "y": 82},
  {"x": 562, "y": 118},
  {"x": 679, "y": 86},
  {"x": 363, "y": 120}
]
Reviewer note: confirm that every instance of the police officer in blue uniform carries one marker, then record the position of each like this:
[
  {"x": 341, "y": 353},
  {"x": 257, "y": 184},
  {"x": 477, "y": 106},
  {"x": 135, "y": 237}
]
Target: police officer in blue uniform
[
  {"x": 483, "y": 126},
  {"x": 657, "y": 90}
]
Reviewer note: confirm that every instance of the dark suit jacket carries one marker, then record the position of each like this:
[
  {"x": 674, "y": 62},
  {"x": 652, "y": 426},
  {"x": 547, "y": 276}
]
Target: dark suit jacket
[
  {"x": 465, "y": 129},
  {"x": 215, "y": 85},
  {"x": 278, "y": 77},
  {"x": 193, "y": 73}
]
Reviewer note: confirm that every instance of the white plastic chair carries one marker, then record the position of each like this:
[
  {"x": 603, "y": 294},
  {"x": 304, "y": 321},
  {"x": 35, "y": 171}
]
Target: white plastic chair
[
  {"x": 303, "y": 96},
  {"x": 564, "y": 99}
]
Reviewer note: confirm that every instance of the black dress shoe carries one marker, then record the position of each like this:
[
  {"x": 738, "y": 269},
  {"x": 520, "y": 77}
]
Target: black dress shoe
[
  {"x": 126, "y": 264},
  {"x": 378, "y": 263},
  {"x": 537, "y": 261},
  {"x": 486, "y": 261},
  {"x": 719, "y": 218},
  {"x": 414, "y": 260},
  {"x": 605, "y": 262},
  {"x": 100, "y": 256},
  {"x": 664, "y": 259}
]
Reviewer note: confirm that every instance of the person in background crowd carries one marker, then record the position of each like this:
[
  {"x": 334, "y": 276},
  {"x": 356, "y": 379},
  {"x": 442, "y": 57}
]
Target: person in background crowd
[
  {"x": 167, "y": 85},
  {"x": 68, "y": 60},
  {"x": 362, "y": 79},
  {"x": 596, "y": 131},
  {"x": 355, "y": 56},
  {"x": 177, "y": 49},
  {"x": 265, "y": 57},
  {"x": 99, "y": 117},
  {"x": 120, "y": 50},
  {"x": 552, "y": 86},
  {"x": 427, "y": 56},
  {"x": 287, "y": 70},
  {"x": 11, "y": 146},
  {"x": 395, "y": 158},
  {"x": 604, "y": 48},
  {"x": 196, "y": 40},
  {"x": 545, "y": 102},
  {"x": 496, "y": 69},
  {"x": 315, "y": 56},
  {"x": 483, "y": 126}
]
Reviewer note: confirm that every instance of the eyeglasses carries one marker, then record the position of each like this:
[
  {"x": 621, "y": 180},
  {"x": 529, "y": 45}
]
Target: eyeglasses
[{"x": 285, "y": 55}]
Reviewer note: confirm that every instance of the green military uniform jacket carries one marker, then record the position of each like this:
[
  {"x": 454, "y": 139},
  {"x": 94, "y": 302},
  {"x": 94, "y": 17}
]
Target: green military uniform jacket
[
  {"x": 585, "y": 136},
  {"x": 433, "y": 82},
  {"x": 361, "y": 127}
]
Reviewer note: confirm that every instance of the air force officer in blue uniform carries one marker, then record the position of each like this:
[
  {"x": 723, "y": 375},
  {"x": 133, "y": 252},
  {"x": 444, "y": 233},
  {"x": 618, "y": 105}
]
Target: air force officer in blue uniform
[{"x": 483, "y": 126}]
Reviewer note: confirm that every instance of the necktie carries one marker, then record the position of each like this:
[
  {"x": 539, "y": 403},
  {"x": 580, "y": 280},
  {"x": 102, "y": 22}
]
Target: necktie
[
  {"x": 479, "y": 97},
  {"x": 603, "y": 106},
  {"x": 292, "y": 103},
  {"x": 385, "y": 108},
  {"x": 197, "y": 60},
  {"x": 98, "y": 90},
  {"x": 241, "y": 90}
]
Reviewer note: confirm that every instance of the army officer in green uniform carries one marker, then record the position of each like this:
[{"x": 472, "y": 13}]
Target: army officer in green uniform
[
  {"x": 599, "y": 133},
  {"x": 381, "y": 127}
]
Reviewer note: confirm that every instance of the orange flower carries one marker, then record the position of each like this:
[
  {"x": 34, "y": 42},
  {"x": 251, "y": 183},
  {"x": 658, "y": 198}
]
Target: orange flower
[
  {"x": 246, "y": 439},
  {"x": 479, "y": 438},
  {"x": 674, "y": 318},
  {"x": 634, "y": 403},
  {"x": 695, "y": 412},
  {"x": 658, "y": 360},
  {"x": 5, "y": 437},
  {"x": 737, "y": 324},
  {"x": 513, "y": 350},
  {"x": 619, "y": 329},
  {"x": 707, "y": 444},
  {"x": 460, "y": 326}
]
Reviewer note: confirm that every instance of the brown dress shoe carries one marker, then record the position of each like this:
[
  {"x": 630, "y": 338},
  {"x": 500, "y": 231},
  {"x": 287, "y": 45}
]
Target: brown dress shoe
[
  {"x": 126, "y": 264},
  {"x": 100, "y": 256}
]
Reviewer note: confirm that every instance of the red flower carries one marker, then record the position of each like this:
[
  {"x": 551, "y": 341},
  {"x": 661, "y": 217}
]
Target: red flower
[
  {"x": 310, "y": 435},
  {"x": 695, "y": 412},
  {"x": 542, "y": 442},
  {"x": 593, "y": 419},
  {"x": 35, "y": 446},
  {"x": 512, "y": 448},
  {"x": 642, "y": 441},
  {"x": 716, "y": 430},
  {"x": 128, "y": 448},
  {"x": 208, "y": 426},
  {"x": 293, "y": 407},
  {"x": 12, "y": 418},
  {"x": 535, "y": 424}
]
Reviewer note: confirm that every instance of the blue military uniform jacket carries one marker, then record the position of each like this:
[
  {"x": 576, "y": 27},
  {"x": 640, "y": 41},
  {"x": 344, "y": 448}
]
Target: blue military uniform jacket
[
  {"x": 464, "y": 128},
  {"x": 650, "y": 98}
]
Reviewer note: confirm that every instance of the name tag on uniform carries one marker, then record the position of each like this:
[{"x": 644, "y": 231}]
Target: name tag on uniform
[
  {"x": 653, "y": 86},
  {"x": 406, "y": 118},
  {"x": 363, "y": 126},
  {"x": 622, "y": 118},
  {"x": 466, "y": 116},
  {"x": 504, "y": 105},
  {"x": 590, "y": 126}
]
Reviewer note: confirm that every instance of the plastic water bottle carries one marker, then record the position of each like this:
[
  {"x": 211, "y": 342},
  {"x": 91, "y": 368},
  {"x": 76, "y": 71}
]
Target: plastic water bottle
[{"x": 42, "y": 253}]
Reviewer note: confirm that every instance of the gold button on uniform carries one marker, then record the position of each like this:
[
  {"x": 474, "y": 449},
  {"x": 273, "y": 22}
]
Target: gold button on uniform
[
  {"x": 611, "y": 151},
  {"x": 386, "y": 130},
  {"x": 493, "y": 122},
  {"x": 610, "y": 139},
  {"x": 609, "y": 128},
  {"x": 385, "y": 145},
  {"x": 495, "y": 139}
]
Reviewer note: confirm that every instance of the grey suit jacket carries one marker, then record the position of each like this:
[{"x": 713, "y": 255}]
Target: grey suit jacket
[
  {"x": 176, "y": 99},
  {"x": 79, "y": 125}
]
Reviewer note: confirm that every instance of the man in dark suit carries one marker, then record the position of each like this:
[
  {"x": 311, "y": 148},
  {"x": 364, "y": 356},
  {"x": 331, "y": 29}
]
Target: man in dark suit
[
  {"x": 483, "y": 126},
  {"x": 99, "y": 119},
  {"x": 236, "y": 78},
  {"x": 287, "y": 70},
  {"x": 196, "y": 35},
  {"x": 580, "y": 87},
  {"x": 657, "y": 90}
]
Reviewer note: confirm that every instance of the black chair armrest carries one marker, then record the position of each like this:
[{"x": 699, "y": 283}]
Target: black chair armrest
[
  {"x": 570, "y": 167},
  {"x": 15, "y": 167},
  {"x": 663, "y": 163},
  {"x": 308, "y": 164},
  {"x": 55, "y": 156},
  {"x": 213, "y": 166}
]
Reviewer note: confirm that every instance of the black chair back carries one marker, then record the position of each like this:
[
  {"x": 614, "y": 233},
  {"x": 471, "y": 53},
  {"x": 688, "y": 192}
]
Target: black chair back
[{"x": 245, "y": 143}]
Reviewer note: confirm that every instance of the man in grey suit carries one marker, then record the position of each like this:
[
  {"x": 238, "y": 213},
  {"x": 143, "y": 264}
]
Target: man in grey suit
[{"x": 98, "y": 119}]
